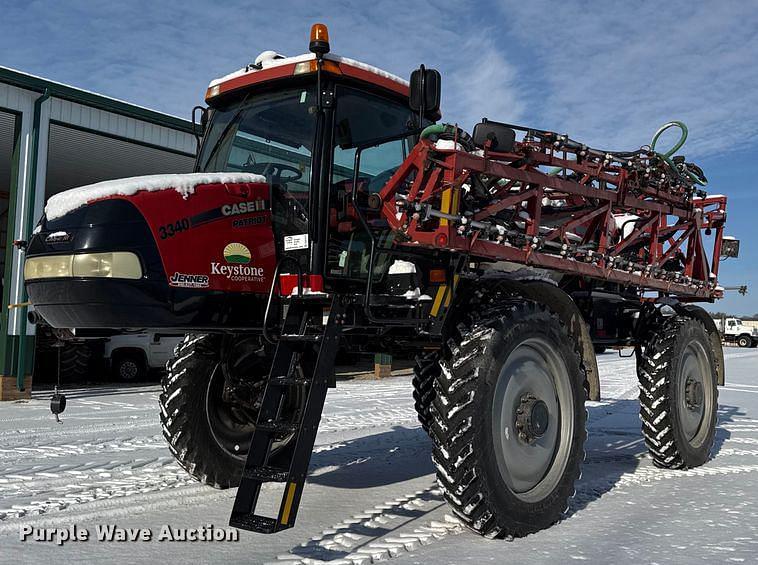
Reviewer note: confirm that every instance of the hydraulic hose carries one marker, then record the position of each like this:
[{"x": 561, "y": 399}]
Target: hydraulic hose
[
  {"x": 438, "y": 129},
  {"x": 678, "y": 145}
]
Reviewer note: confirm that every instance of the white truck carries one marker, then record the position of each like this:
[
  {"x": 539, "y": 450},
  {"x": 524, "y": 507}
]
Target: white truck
[
  {"x": 131, "y": 355},
  {"x": 733, "y": 330}
]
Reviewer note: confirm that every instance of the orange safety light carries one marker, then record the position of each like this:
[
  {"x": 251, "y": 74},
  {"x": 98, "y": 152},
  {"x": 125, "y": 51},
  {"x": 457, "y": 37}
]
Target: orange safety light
[{"x": 319, "y": 39}]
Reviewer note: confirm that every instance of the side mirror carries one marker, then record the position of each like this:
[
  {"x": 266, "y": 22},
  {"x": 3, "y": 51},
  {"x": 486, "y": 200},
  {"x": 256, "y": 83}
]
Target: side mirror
[
  {"x": 203, "y": 124},
  {"x": 500, "y": 136},
  {"x": 203, "y": 119},
  {"x": 426, "y": 92},
  {"x": 730, "y": 247}
]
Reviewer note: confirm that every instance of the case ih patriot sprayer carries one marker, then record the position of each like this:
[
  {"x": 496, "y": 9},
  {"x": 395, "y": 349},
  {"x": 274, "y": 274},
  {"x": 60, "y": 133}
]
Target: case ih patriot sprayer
[{"x": 328, "y": 209}]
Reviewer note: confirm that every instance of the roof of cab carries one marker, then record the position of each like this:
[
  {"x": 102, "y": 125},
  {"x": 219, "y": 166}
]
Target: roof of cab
[{"x": 271, "y": 65}]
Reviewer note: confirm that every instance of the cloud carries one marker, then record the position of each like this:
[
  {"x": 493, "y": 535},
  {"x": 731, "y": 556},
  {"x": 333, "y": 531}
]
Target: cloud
[
  {"x": 611, "y": 73},
  {"x": 163, "y": 54}
]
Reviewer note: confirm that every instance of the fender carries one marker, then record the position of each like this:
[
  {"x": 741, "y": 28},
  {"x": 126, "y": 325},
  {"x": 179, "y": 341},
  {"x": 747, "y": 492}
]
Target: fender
[{"x": 546, "y": 291}]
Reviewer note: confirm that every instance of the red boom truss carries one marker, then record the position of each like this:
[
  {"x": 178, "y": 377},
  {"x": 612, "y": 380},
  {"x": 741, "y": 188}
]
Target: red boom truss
[{"x": 568, "y": 221}]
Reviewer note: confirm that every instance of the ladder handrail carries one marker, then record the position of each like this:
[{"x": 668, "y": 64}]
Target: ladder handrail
[{"x": 275, "y": 281}]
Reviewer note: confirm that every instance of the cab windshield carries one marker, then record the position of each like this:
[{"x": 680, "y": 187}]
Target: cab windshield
[{"x": 271, "y": 135}]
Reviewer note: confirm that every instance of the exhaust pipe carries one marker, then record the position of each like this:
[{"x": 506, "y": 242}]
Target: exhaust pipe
[{"x": 34, "y": 317}]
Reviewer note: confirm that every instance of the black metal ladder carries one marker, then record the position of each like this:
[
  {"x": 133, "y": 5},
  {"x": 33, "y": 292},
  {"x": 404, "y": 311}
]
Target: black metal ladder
[{"x": 314, "y": 351}]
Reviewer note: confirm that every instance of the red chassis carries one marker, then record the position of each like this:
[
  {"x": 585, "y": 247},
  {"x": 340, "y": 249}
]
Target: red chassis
[{"x": 664, "y": 250}]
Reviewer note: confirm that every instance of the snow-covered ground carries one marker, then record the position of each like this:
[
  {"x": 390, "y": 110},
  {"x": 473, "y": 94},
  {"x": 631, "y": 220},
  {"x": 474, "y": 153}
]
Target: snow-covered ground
[{"x": 371, "y": 494}]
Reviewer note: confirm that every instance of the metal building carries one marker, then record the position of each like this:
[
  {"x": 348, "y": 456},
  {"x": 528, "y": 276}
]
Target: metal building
[{"x": 54, "y": 137}]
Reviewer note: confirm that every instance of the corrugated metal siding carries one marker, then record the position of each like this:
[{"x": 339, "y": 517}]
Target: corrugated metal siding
[
  {"x": 77, "y": 158},
  {"x": 7, "y": 124},
  {"x": 14, "y": 98},
  {"x": 121, "y": 126}
]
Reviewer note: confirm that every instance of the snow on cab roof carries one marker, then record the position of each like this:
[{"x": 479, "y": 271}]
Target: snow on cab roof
[
  {"x": 270, "y": 59},
  {"x": 70, "y": 200}
]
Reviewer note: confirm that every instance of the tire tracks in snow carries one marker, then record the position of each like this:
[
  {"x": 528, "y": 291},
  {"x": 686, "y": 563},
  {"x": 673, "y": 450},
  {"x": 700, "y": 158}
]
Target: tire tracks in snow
[{"x": 379, "y": 533}]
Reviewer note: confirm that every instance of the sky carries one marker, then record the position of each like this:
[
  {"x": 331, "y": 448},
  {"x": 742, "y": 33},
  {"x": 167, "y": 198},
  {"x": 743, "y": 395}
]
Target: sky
[{"x": 606, "y": 73}]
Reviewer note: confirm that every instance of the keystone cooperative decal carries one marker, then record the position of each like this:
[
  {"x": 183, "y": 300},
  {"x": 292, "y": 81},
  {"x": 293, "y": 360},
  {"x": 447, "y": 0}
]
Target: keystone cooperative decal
[{"x": 237, "y": 255}]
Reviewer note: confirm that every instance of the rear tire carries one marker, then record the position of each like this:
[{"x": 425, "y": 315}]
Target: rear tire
[
  {"x": 207, "y": 432},
  {"x": 425, "y": 371},
  {"x": 509, "y": 420},
  {"x": 678, "y": 393}
]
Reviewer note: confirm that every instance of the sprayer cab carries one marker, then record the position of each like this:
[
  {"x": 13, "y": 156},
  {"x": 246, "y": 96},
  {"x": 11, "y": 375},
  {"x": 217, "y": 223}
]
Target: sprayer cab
[{"x": 274, "y": 177}]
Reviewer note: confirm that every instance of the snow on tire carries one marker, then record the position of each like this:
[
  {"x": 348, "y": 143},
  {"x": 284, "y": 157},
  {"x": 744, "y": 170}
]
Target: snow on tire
[
  {"x": 678, "y": 393},
  {"x": 508, "y": 419}
]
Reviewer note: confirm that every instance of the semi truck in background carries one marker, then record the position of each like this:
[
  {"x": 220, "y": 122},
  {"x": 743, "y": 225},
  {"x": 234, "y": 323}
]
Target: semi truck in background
[{"x": 733, "y": 330}]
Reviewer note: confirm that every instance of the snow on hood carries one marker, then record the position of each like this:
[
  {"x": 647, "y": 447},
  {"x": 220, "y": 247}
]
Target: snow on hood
[
  {"x": 68, "y": 201},
  {"x": 270, "y": 59}
]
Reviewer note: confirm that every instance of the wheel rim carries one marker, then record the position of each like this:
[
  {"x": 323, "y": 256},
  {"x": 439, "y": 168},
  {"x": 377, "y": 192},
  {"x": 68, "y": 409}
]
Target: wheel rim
[
  {"x": 128, "y": 370},
  {"x": 533, "y": 419},
  {"x": 232, "y": 429},
  {"x": 695, "y": 396},
  {"x": 231, "y": 432}
]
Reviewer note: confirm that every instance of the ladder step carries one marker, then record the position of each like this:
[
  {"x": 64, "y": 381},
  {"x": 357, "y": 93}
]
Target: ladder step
[
  {"x": 267, "y": 474},
  {"x": 310, "y": 298},
  {"x": 288, "y": 381},
  {"x": 277, "y": 428},
  {"x": 298, "y": 428},
  {"x": 309, "y": 338},
  {"x": 254, "y": 523}
]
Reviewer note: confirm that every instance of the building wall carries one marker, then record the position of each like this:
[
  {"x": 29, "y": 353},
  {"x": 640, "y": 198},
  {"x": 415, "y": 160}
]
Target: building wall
[{"x": 131, "y": 138}]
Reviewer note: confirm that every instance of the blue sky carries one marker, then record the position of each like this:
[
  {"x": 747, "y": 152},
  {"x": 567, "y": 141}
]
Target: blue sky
[{"x": 607, "y": 75}]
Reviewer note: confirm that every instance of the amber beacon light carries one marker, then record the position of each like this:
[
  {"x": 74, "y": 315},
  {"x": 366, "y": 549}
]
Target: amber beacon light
[{"x": 319, "y": 39}]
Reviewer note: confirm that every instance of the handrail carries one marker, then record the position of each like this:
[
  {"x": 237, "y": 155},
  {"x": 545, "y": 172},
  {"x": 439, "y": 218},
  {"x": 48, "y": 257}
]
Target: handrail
[{"x": 271, "y": 291}]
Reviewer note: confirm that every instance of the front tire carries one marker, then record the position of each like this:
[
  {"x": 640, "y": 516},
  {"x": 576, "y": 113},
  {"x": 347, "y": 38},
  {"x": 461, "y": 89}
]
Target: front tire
[
  {"x": 678, "y": 393},
  {"x": 744, "y": 341},
  {"x": 509, "y": 420},
  {"x": 208, "y": 427}
]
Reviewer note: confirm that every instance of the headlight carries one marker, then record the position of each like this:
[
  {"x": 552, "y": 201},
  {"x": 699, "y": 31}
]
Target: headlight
[
  {"x": 47, "y": 267},
  {"x": 116, "y": 265}
]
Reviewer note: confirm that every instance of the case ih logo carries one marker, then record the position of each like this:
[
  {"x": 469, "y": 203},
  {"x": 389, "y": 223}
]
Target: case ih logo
[
  {"x": 189, "y": 281},
  {"x": 243, "y": 208},
  {"x": 58, "y": 237},
  {"x": 237, "y": 256}
]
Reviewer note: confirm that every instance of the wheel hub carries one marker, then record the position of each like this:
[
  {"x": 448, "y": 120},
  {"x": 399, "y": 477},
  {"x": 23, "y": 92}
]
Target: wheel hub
[
  {"x": 695, "y": 398},
  {"x": 693, "y": 394},
  {"x": 532, "y": 418}
]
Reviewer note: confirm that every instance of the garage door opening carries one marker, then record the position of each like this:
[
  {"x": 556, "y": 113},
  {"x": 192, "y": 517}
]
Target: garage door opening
[
  {"x": 78, "y": 157},
  {"x": 7, "y": 141}
]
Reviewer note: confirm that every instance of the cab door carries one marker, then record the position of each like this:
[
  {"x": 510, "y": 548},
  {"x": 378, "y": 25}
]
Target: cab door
[{"x": 361, "y": 117}]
